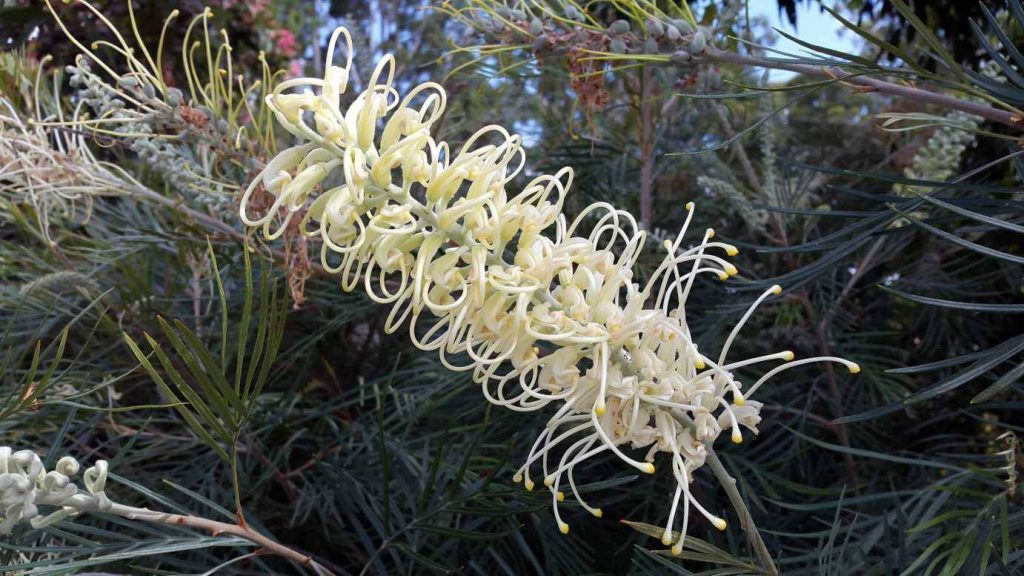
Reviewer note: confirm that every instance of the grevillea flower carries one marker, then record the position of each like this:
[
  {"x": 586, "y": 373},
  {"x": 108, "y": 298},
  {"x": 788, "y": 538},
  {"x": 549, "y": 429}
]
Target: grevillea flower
[
  {"x": 25, "y": 485},
  {"x": 503, "y": 285}
]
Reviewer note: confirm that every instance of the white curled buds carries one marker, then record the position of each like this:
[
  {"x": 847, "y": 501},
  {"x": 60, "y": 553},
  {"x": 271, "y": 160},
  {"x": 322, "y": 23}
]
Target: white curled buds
[
  {"x": 95, "y": 480},
  {"x": 25, "y": 486},
  {"x": 502, "y": 285}
]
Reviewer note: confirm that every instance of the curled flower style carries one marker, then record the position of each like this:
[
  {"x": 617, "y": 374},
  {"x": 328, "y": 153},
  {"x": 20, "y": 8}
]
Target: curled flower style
[
  {"x": 25, "y": 485},
  {"x": 503, "y": 285}
]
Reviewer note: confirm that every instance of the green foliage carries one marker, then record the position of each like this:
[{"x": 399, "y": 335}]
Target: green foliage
[{"x": 217, "y": 411}]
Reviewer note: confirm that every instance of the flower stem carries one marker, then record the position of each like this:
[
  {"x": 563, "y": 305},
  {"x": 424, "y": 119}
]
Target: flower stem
[
  {"x": 746, "y": 520},
  {"x": 217, "y": 529},
  {"x": 728, "y": 483},
  {"x": 867, "y": 84}
]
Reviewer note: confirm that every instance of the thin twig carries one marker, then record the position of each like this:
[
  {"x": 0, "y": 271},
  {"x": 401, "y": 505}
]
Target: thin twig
[
  {"x": 646, "y": 129},
  {"x": 214, "y": 225},
  {"x": 835, "y": 396},
  {"x": 872, "y": 84},
  {"x": 217, "y": 529},
  {"x": 753, "y": 180},
  {"x": 746, "y": 520},
  {"x": 729, "y": 485}
]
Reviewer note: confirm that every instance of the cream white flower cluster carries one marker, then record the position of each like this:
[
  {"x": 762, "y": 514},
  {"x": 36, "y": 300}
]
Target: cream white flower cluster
[
  {"x": 541, "y": 311},
  {"x": 25, "y": 485}
]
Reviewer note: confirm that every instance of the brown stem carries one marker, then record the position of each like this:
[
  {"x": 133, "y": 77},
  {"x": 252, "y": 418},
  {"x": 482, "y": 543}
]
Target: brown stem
[
  {"x": 290, "y": 490},
  {"x": 780, "y": 238},
  {"x": 821, "y": 335},
  {"x": 835, "y": 395},
  {"x": 646, "y": 150},
  {"x": 217, "y": 529},
  {"x": 213, "y": 224},
  {"x": 728, "y": 483},
  {"x": 861, "y": 269},
  {"x": 870, "y": 84},
  {"x": 741, "y": 153}
]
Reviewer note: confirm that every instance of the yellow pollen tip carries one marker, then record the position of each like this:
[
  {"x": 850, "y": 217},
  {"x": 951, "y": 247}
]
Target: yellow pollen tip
[
  {"x": 598, "y": 512},
  {"x": 549, "y": 481},
  {"x": 517, "y": 478},
  {"x": 561, "y": 496},
  {"x": 666, "y": 539},
  {"x": 690, "y": 206},
  {"x": 719, "y": 523},
  {"x": 788, "y": 355},
  {"x": 667, "y": 244},
  {"x": 677, "y": 550},
  {"x": 600, "y": 410},
  {"x": 776, "y": 289},
  {"x": 738, "y": 399},
  {"x": 723, "y": 276},
  {"x": 711, "y": 233},
  {"x": 732, "y": 250},
  {"x": 648, "y": 468},
  {"x": 737, "y": 438},
  {"x": 529, "y": 485},
  {"x": 563, "y": 527},
  {"x": 855, "y": 369},
  {"x": 731, "y": 270},
  {"x": 699, "y": 364}
]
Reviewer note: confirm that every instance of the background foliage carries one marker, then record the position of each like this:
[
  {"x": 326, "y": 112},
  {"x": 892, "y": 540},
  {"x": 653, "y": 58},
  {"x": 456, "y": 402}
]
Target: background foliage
[{"x": 132, "y": 303}]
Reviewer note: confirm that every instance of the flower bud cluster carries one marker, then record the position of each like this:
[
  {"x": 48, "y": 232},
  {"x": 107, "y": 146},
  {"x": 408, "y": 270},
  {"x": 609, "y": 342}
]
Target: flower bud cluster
[
  {"x": 753, "y": 217},
  {"x": 163, "y": 131},
  {"x": 564, "y": 25},
  {"x": 193, "y": 140},
  {"x": 589, "y": 44},
  {"x": 541, "y": 310},
  {"x": 26, "y": 485},
  {"x": 939, "y": 158}
]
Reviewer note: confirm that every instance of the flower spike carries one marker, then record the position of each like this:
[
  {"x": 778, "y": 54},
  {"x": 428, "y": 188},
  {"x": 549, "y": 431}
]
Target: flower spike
[{"x": 542, "y": 311}]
